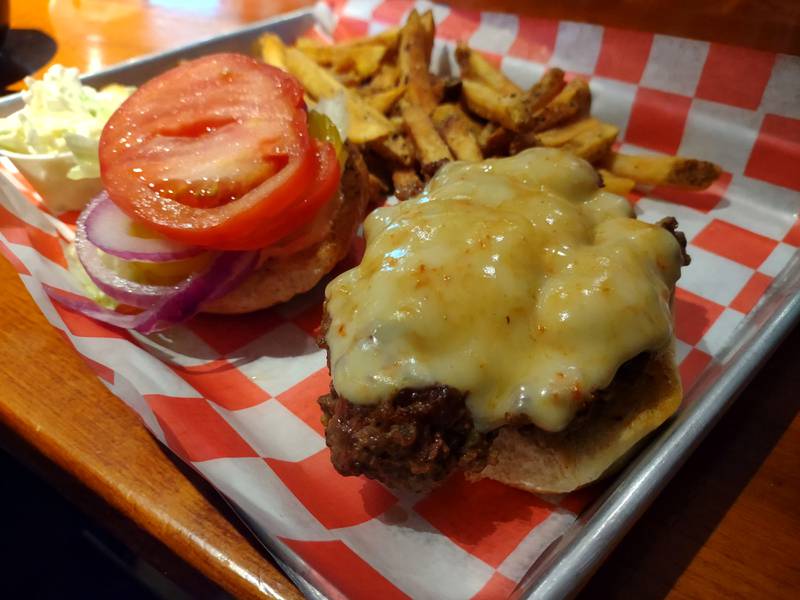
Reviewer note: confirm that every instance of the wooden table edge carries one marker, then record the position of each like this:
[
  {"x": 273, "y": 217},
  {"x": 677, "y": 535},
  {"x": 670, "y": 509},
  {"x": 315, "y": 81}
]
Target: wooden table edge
[{"x": 223, "y": 554}]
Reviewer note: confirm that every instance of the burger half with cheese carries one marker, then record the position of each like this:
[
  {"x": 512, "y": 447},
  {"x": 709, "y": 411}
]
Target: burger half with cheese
[
  {"x": 222, "y": 193},
  {"x": 513, "y": 321}
]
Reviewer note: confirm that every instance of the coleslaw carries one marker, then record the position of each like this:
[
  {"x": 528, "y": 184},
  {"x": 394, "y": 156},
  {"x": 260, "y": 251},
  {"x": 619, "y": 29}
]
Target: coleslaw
[{"x": 62, "y": 116}]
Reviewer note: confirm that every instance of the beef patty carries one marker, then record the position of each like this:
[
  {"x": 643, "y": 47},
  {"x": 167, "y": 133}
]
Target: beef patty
[
  {"x": 412, "y": 440},
  {"x": 417, "y": 437}
]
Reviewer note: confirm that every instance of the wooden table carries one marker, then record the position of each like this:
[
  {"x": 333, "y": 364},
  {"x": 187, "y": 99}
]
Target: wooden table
[{"x": 727, "y": 526}]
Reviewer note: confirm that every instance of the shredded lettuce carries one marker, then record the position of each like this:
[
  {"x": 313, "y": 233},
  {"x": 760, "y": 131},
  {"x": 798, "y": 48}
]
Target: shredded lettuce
[
  {"x": 62, "y": 115},
  {"x": 85, "y": 283}
]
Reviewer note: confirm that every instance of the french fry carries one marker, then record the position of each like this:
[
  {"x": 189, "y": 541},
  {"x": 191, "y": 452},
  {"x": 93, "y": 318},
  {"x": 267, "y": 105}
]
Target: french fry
[
  {"x": 451, "y": 91},
  {"x": 431, "y": 149},
  {"x": 475, "y": 66},
  {"x": 366, "y": 123},
  {"x": 413, "y": 121},
  {"x": 272, "y": 50},
  {"x": 437, "y": 88},
  {"x": 475, "y": 126},
  {"x": 385, "y": 100},
  {"x": 593, "y": 145},
  {"x": 429, "y": 27},
  {"x": 387, "y": 38},
  {"x": 588, "y": 138},
  {"x": 385, "y": 78},
  {"x": 488, "y": 103},
  {"x": 377, "y": 190},
  {"x": 558, "y": 136},
  {"x": 452, "y": 124},
  {"x": 544, "y": 90},
  {"x": 358, "y": 61},
  {"x": 573, "y": 100},
  {"x": 413, "y": 60},
  {"x": 673, "y": 171},
  {"x": 317, "y": 81},
  {"x": 494, "y": 140},
  {"x": 615, "y": 184},
  {"x": 406, "y": 183},
  {"x": 397, "y": 148}
]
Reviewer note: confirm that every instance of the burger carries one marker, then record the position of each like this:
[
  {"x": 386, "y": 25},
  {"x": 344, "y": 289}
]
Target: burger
[
  {"x": 512, "y": 322},
  {"x": 221, "y": 193}
]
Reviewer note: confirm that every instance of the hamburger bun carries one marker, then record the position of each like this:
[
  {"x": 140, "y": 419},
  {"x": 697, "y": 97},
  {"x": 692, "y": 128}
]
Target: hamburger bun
[
  {"x": 281, "y": 278},
  {"x": 538, "y": 461}
]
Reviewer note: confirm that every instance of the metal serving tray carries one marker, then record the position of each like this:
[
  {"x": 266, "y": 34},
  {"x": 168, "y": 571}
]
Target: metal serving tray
[{"x": 570, "y": 560}]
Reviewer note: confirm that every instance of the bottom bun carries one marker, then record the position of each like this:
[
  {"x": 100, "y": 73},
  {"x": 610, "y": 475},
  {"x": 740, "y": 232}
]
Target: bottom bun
[
  {"x": 281, "y": 278},
  {"x": 537, "y": 461}
]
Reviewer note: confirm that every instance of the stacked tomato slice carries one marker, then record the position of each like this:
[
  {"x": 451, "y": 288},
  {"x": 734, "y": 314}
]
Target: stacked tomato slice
[{"x": 216, "y": 153}]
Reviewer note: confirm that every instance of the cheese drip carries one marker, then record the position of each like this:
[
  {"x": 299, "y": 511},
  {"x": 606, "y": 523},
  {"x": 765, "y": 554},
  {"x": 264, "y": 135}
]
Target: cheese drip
[{"x": 517, "y": 280}]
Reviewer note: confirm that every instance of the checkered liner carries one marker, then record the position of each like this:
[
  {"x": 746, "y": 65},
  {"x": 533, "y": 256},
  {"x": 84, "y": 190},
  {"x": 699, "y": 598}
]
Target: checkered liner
[{"x": 236, "y": 396}]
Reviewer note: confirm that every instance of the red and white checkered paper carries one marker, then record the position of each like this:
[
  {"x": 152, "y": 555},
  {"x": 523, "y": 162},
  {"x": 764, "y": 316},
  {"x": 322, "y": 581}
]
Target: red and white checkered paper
[{"x": 236, "y": 396}]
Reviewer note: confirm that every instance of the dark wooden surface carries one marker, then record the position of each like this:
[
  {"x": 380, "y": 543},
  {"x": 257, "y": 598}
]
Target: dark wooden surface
[{"x": 727, "y": 526}]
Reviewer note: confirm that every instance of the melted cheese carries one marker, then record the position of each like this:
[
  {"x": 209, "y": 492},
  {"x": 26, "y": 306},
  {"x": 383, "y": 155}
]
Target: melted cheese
[{"x": 517, "y": 280}]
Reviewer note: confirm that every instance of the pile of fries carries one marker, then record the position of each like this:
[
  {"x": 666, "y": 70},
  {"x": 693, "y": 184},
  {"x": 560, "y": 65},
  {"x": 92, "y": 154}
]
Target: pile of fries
[{"x": 409, "y": 121}]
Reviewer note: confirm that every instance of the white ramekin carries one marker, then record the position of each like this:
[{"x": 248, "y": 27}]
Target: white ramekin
[{"x": 47, "y": 173}]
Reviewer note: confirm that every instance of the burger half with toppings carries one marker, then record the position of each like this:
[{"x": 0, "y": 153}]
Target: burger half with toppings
[
  {"x": 513, "y": 321},
  {"x": 222, "y": 193}
]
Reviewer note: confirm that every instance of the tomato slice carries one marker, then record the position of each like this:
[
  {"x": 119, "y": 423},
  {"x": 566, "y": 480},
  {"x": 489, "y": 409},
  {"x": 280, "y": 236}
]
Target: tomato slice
[
  {"x": 216, "y": 153},
  {"x": 321, "y": 188}
]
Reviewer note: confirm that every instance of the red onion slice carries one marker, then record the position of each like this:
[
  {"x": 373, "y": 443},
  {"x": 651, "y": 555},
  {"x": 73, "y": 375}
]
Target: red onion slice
[
  {"x": 140, "y": 295},
  {"x": 110, "y": 229},
  {"x": 226, "y": 272}
]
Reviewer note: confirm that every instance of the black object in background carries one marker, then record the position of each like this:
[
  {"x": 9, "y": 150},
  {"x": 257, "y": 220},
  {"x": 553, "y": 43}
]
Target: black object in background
[
  {"x": 51, "y": 551},
  {"x": 22, "y": 51},
  {"x": 4, "y": 19}
]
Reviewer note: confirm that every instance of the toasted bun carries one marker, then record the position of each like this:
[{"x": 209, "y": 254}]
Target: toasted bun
[
  {"x": 282, "y": 278},
  {"x": 555, "y": 463}
]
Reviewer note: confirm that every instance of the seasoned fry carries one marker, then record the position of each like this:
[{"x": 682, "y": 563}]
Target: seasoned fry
[
  {"x": 494, "y": 140},
  {"x": 366, "y": 123},
  {"x": 396, "y": 148},
  {"x": 475, "y": 66},
  {"x": 272, "y": 50},
  {"x": 377, "y": 190},
  {"x": 544, "y": 90},
  {"x": 593, "y": 145},
  {"x": 387, "y": 38},
  {"x": 365, "y": 61},
  {"x": 431, "y": 149},
  {"x": 558, "y": 136},
  {"x": 664, "y": 170},
  {"x": 475, "y": 126},
  {"x": 488, "y": 103},
  {"x": 384, "y": 101},
  {"x": 573, "y": 100},
  {"x": 451, "y": 91},
  {"x": 429, "y": 27},
  {"x": 359, "y": 62},
  {"x": 517, "y": 111},
  {"x": 317, "y": 81},
  {"x": 437, "y": 88},
  {"x": 412, "y": 121},
  {"x": 588, "y": 138},
  {"x": 385, "y": 78},
  {"x": 406, "y": 183},
  {"x": 452, "y": 124},
  {"x": 413, "y": 59},
  {"x": 615, "y": 184}
]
